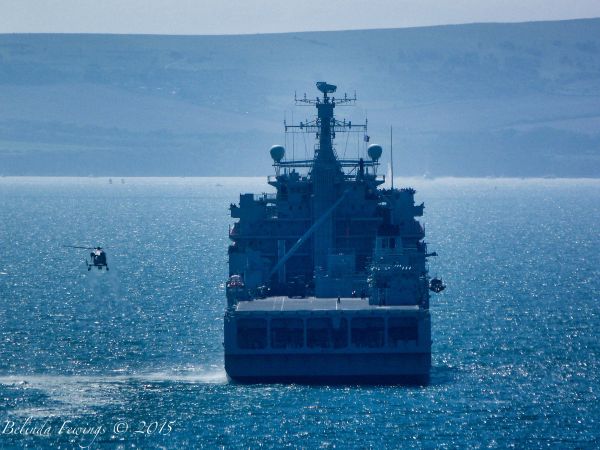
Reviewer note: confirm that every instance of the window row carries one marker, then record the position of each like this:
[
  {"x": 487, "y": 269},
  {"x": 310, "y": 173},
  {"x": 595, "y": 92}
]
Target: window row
[{"x": 325, "y": 332}]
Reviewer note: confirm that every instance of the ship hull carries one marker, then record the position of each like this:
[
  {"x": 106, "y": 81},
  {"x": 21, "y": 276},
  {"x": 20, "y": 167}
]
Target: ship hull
[
  {"x": 317, "y": 340},
  {"x": 364, "y": 368},
  {"x": 366, "y": 380}
]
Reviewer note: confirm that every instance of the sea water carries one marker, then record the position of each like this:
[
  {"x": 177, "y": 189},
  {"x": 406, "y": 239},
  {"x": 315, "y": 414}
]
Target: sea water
[{"x": 133, "y": 357}]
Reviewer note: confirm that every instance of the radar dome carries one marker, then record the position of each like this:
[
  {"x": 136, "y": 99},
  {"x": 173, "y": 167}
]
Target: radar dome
[
  {"x": 374, "y": 151},
  {"x": 277, "y": 152}
]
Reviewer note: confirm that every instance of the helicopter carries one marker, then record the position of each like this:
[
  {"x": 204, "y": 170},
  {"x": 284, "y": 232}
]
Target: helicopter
[{"x": 97, "y": 257}]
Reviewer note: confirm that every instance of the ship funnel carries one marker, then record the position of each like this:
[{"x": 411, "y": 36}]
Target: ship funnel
[
  {"x": 277, "y": 153},
  {"x": 374, "y": 151}
]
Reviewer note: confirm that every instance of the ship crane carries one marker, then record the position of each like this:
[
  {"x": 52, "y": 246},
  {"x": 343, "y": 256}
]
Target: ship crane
[{"x": 307, "y": 235}]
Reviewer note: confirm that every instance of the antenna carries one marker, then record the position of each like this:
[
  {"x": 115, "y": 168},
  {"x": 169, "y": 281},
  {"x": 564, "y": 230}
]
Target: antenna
[
  {"x": 392, "y": 155},
  {"x": 285, "y": 126}
]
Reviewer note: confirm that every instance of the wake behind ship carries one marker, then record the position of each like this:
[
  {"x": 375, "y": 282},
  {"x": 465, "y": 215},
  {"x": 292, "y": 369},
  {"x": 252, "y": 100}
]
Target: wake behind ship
[{"x": 328, "y": 277}]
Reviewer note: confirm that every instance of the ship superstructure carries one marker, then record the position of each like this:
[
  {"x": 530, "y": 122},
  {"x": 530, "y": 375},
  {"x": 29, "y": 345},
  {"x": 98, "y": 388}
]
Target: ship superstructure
[{"x": 327, "y": 276}]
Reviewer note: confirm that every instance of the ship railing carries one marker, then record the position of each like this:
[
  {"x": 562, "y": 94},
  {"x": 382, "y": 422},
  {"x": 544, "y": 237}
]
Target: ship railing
[
  {"x": 310, "y": 162},
  {"x": 349, "y": 168},
  {"x": 295, "y": 163}
]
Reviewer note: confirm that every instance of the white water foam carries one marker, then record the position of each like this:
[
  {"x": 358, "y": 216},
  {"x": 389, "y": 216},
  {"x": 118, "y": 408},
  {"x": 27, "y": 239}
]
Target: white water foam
[{"x": 80, "y": 394}]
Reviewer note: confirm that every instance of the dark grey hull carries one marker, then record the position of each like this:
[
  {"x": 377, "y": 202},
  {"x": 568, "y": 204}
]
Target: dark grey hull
[
  {"x": 367, "y": 380},
  {"x": 328, "y": 368}
]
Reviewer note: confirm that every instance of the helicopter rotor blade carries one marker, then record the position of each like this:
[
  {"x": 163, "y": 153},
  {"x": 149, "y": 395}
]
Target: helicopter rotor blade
[{"x": 78, "y": 246}]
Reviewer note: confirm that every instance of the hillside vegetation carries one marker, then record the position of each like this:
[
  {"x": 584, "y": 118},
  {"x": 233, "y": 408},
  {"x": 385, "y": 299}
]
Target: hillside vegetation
[{"x": 468, "y": 100}]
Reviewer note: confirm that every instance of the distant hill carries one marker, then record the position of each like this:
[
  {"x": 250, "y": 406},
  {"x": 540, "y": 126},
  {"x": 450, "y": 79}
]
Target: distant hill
[{"x": 468, "y": 100}]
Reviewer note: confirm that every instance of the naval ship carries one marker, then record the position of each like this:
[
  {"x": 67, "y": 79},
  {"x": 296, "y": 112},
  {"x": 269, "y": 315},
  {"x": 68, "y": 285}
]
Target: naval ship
[{"x": 328, "y": 278}]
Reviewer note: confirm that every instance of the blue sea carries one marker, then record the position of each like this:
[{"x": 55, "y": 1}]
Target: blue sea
[{"x": 133, "y": 357}]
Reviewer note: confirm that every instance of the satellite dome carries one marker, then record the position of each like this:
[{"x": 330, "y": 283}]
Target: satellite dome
[
  {"x": 374, "y": 151},
  {"x": 277, "y": 152}
]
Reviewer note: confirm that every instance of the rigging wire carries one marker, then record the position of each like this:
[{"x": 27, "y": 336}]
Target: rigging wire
[
  {"x": 392, "y": 156},
  {"x": 293, "y": 140},
  {"x": 285, "y": 134},
  {"x": 346, "y": 146},
  {"x": 305, "y": 146}
]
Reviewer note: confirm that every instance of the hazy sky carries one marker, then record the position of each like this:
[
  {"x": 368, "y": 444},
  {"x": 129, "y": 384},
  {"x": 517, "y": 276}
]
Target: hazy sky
[{"x": 269, "y": 16}]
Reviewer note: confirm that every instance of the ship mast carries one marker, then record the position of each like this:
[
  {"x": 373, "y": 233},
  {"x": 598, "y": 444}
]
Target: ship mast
[
  {"x": 326, "y": 178},
  {"x": 326, "y": 171}
]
